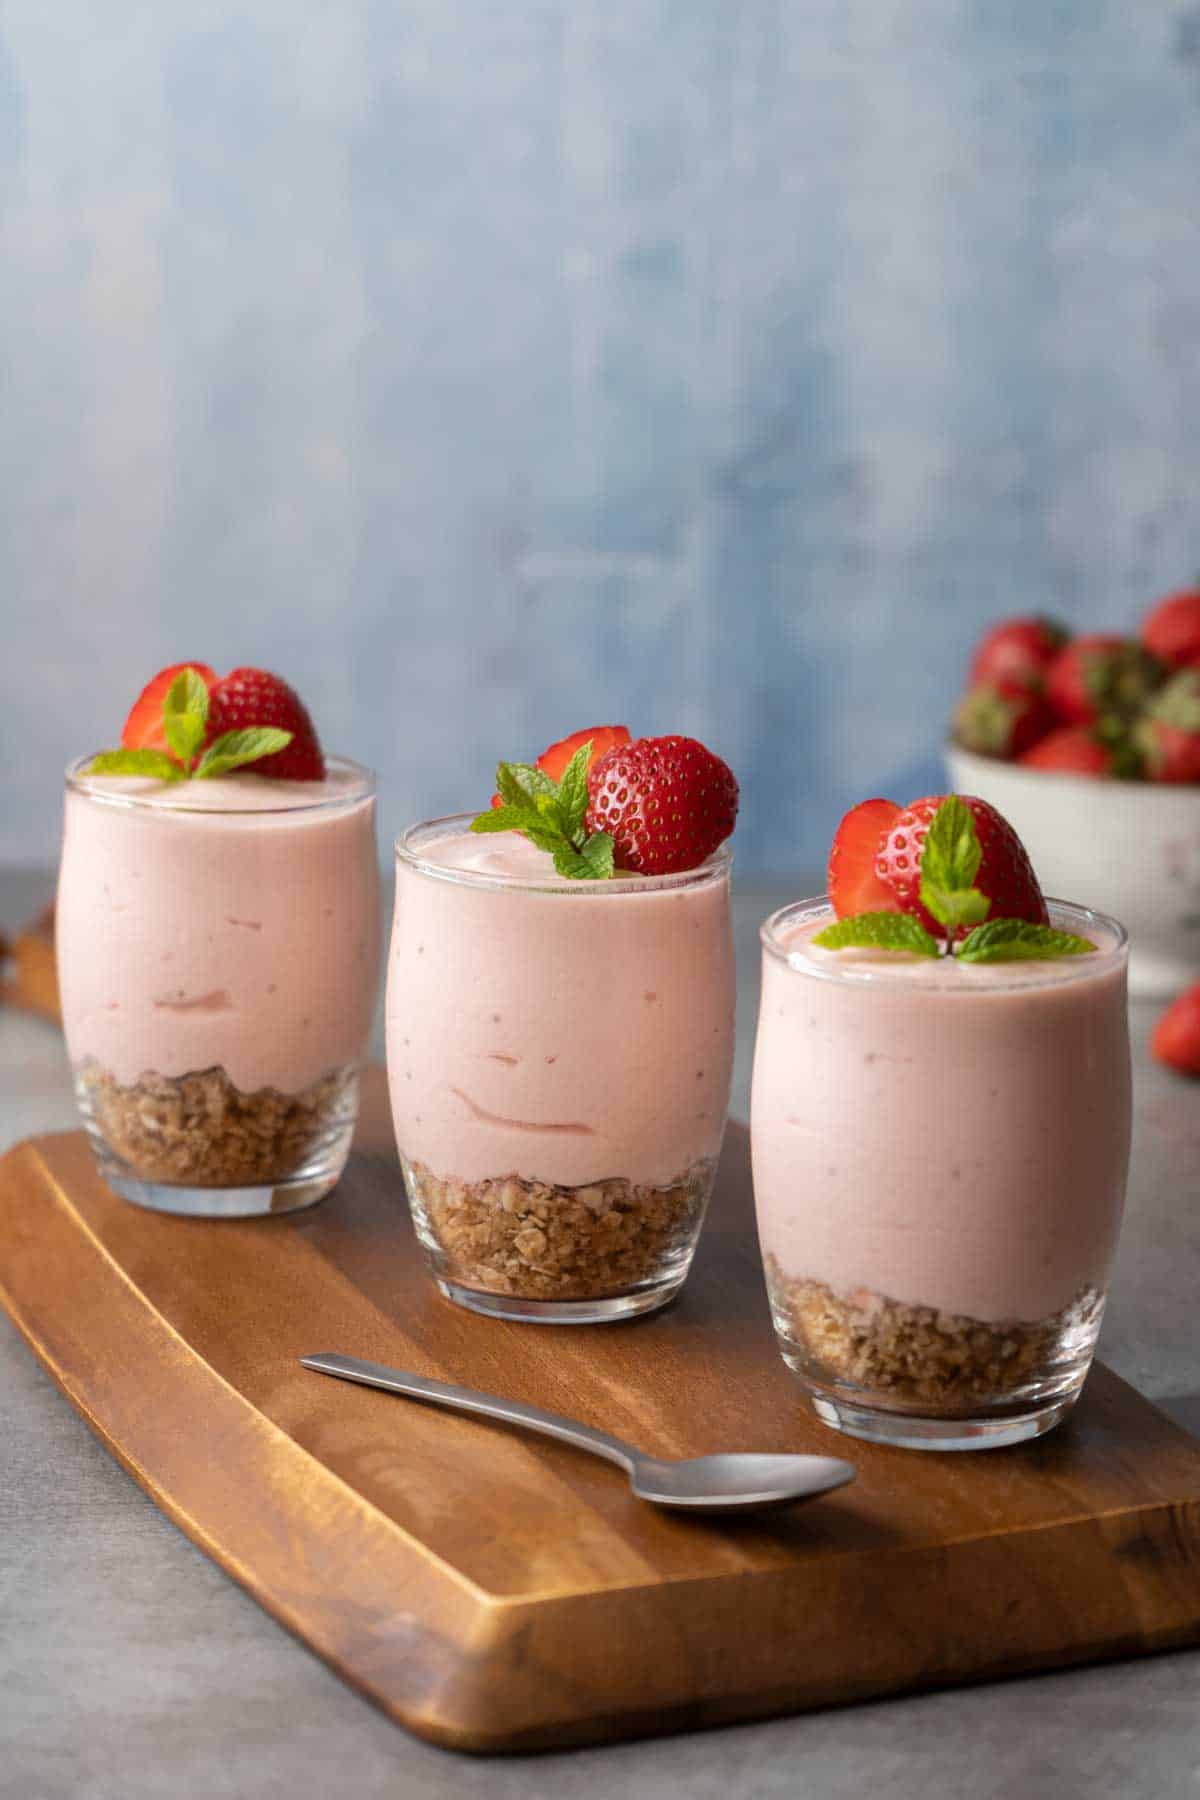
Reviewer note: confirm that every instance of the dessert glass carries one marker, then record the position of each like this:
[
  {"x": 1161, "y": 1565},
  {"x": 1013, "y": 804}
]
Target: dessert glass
[
  {"x": 559, "y": 1059},
  {"x": 218, "y": 953},
  {"x": 940, "y": 1156}
]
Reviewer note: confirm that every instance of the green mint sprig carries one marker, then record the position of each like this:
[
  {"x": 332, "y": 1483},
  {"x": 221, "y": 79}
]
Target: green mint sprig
[
  {"x": 551, "y": 815},
  {"x": 950, "y": 862},
  {"x": 879, "y": 931},
  {"x": 1017, "y": 940},
  {"x": 185, "y": 725}
]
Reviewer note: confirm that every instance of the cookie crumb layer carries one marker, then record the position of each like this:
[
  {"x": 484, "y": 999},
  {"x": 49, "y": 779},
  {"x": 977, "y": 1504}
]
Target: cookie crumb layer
[
  {"x": 200, "y": 1130},
  {"x": 920, "y": 1357},
  {"x": 535, "y": 1241}
]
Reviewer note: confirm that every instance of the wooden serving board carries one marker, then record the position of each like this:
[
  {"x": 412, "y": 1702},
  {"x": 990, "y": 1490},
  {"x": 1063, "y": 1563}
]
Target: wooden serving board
[{"x": 492, "y": 1591}]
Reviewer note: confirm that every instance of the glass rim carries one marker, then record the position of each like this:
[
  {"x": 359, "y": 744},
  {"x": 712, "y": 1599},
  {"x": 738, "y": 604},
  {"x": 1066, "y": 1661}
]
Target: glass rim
[
  {"x": 714, "y": 868},
  {"x": 1032, "y": 973},
  {"x": 79, "y": 782}
]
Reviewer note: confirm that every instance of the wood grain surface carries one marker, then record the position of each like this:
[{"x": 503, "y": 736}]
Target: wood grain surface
[{"x": 493, "y": 1591}]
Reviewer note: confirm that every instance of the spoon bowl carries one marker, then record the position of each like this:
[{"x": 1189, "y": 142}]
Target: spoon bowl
[
  {"x": 737, "y": 1482},
  {"x": 699, "y": 1484}
]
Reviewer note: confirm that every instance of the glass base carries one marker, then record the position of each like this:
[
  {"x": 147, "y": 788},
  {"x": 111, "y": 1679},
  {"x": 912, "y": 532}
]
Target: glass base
[
  {"x": 906, "y": 1432},
  {"x": 562, "y": 1312},
  {"x": 287, "y": 1196}
]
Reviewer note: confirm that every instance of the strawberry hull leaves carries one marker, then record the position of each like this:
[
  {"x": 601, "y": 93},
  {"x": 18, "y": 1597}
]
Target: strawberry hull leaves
[{"x": 551, "y": 815}]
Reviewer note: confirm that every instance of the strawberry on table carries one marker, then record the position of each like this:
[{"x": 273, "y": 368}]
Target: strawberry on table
[
  {"x": 1016, "y": 653},
  {"x": 1169, "y": 732},
  {"x": 1171, "y": 630},
  {"x": 1176, "y": 1038},
  {"x": 1070, "y": 750},
  {"x": 853, "y": 881},
  {"x": 145, "y": 728},
  {"x": 249, "y": 698},
  {"x": 1002, "y": 719},
  {"x": 666, "y": 802},
  {"x": 1100, "y": 676}
]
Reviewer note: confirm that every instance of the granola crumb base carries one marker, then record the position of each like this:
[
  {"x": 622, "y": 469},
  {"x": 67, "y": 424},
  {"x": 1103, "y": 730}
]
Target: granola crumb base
[
  {"x": 199, "y": 1129},
  {"x": 918, "y": 1356},
  {"x": 537, "y": 1241}
]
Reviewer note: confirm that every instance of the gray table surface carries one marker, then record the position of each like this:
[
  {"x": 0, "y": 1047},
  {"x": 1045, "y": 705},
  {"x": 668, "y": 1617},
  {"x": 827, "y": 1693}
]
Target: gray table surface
[{"x": 131, "y": 1667}]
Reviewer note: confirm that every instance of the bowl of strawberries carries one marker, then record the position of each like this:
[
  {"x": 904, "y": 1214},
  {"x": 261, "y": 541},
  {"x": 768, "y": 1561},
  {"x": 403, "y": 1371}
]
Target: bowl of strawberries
[{"x": 1090, "y": 744}]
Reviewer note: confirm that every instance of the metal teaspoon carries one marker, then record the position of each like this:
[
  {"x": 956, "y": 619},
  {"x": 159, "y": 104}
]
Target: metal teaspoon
[{"x": 715, "y": 1484}]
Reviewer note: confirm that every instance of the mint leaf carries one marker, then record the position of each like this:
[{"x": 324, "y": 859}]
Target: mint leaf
[
  {"x": 234, "y": 749},
  {"x": 950, "y": 859},
  {"x": 593, "y": 863},
  {"x": 878, "y": 931},
  {"x": 520, "y": 783},
  {"x": 1016, "y": 940},
  {"x": 551, "y": 814},
  {"x": 597, "y": 856},
  {"x": 501, "y": 818},
  {"x": 185, "y": 715},
  {"x": 952, "y": 854},
  {"x": 573, "y": 790},
  {"x": 954, "y": 908},
  {"x": 155, "y": 763}
]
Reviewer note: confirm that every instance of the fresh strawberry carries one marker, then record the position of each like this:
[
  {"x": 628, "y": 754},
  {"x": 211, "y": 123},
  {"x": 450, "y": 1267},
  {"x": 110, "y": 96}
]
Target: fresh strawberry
[
  {"x": 248, "y": 697},
  {"x": 554, "y": 760},
  {"x": 144, "y": 727},
  {"x": 854, "y": 886},
  {"x": 1171, "y": 631},
  {"x": 1176, "y": 1039},
  {"x": 1001, "y": 720},
  {"x": 1016, "y": 654},
  {"x": 604, "y": 738},
  {"x": 666, "y": 802},
  {"x": 1101, "y": 676},
  {"x": 1005, "y": 873},
  {"x": 1070, "y": 750},
  {"x": 1169, "y": 733}
]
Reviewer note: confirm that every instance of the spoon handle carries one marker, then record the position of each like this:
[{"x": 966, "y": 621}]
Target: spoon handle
[{"x": 461, "y": 1399}]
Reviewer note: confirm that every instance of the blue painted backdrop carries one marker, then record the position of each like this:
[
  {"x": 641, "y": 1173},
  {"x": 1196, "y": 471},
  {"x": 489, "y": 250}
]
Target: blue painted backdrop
[{"x": 718, "y": 365}]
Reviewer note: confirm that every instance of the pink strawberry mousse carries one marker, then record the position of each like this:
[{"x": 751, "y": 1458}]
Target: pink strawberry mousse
[
  {"x": 228, "y": 923},
  {"x": 564, "y": 1031},
  {"x": 947, "y": 1136}
]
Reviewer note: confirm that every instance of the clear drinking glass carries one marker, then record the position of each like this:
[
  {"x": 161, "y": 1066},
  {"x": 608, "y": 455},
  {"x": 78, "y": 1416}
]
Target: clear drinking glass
[
  {"x": 559, "y": 1058},
  {"x": 940, "y": 1154},
  {"x": 218, "y": 957}
]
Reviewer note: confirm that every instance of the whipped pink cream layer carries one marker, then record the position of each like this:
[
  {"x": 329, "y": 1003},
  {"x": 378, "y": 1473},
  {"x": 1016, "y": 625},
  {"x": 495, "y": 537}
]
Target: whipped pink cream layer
[
  {"x": 230, "y": 922},
  {"x": 954, "y": 1137},
  {"x": 566, "y": 1032}
]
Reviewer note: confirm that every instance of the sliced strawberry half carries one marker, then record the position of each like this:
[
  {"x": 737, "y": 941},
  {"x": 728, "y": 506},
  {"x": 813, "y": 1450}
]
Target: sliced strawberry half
[
  {"x": 1005, "y": 872},
  {"x": 143, "y": 728},
  {"x": 250, "y": 697},
  {"x": 854, "y": 883},
  {"x": 553, "y": 760}
]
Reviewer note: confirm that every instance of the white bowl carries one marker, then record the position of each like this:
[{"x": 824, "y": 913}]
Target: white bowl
[{"x": 1129, "y": 848}]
